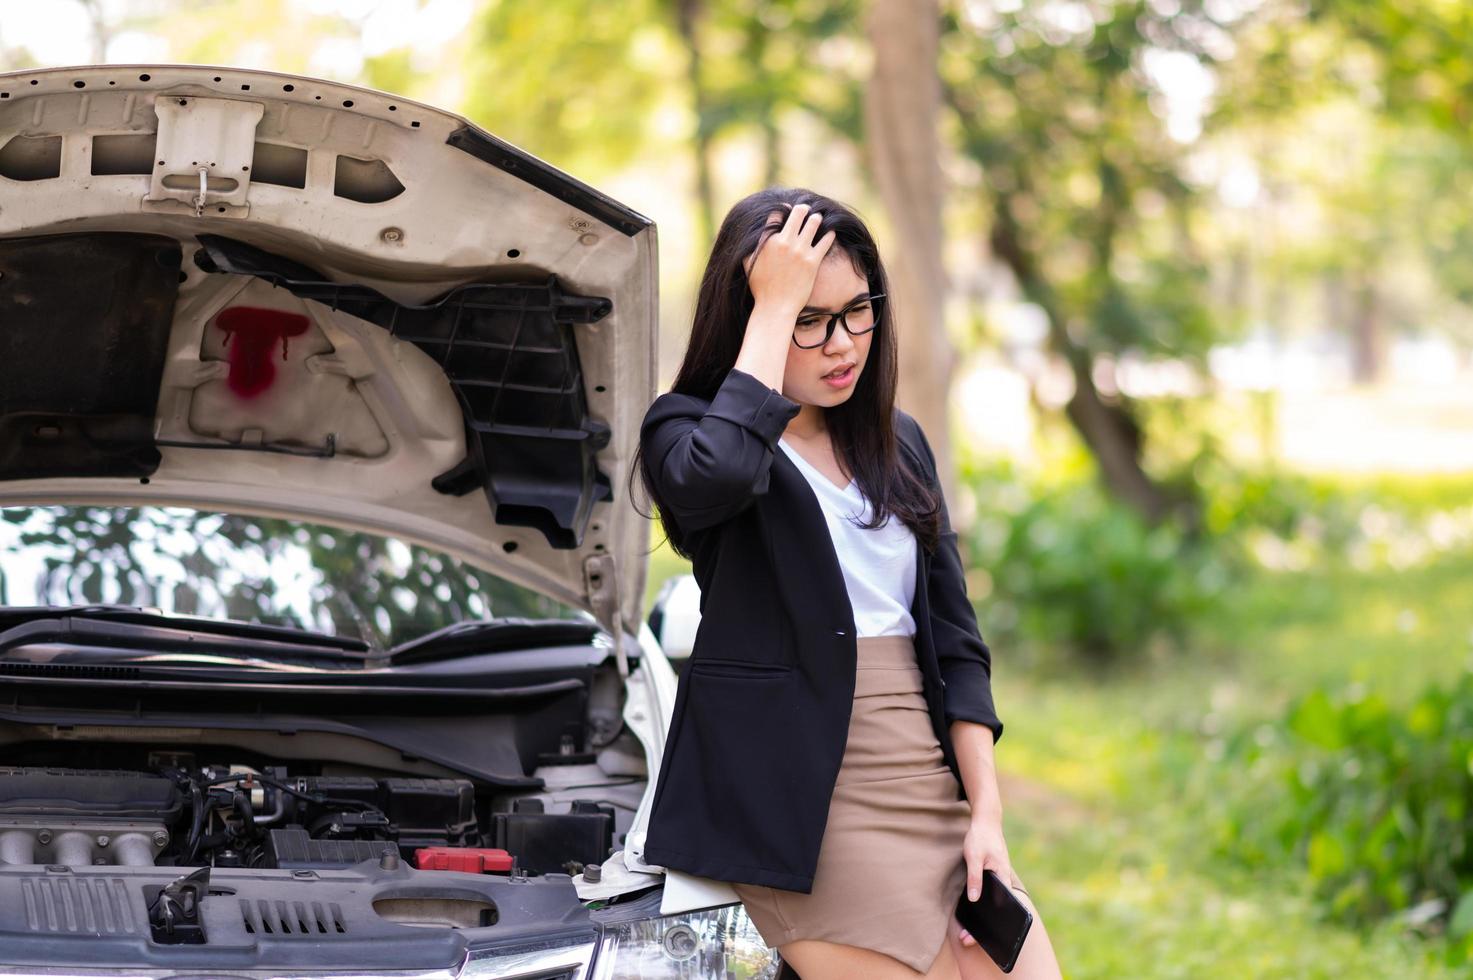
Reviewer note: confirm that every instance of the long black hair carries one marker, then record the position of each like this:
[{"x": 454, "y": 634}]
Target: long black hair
[{"x": 862, "y": 428}]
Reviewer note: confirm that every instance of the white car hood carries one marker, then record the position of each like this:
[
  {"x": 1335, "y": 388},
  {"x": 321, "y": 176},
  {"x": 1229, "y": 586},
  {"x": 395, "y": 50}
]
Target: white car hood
[{"x": 376, "y": 316}]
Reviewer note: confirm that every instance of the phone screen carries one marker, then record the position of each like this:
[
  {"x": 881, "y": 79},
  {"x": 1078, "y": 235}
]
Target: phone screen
[{"x": 997, "y": 920}]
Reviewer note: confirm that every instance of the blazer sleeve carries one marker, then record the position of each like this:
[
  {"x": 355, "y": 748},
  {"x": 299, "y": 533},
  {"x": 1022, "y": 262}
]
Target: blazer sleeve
[
  {"x": 710, "y": 460},
  {"x": 964, "y": 659}
]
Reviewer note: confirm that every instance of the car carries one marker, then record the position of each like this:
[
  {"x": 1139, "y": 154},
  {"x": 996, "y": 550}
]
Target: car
[{"x": 321, "y": 649}]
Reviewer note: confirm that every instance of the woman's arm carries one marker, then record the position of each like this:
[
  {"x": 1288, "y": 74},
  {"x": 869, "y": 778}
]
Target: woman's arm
[
  {"x": 966, "y": 677},
  {"x": 709, "y": 462},
  {"x": 963, "y": 657},
  {"x": 780, "y": 275},
  {"x": 985, "y": 847}
]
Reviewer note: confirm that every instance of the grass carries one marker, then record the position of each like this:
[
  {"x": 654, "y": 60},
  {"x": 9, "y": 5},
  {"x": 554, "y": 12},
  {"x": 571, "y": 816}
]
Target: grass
[
  {"x": 1124, "y": 893},
  {"x": 1109, "y": 780},
  {"x": 1394, "y": 631}
]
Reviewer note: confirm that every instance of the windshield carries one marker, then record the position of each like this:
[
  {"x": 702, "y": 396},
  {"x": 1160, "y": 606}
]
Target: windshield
[{"x": 268, "y": 571}]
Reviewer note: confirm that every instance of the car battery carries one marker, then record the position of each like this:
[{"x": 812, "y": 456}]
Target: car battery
[{"x": 548, "y": 842}]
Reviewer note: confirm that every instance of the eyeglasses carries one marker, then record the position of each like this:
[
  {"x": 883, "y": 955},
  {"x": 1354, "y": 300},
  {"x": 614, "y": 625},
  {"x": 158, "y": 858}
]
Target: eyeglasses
[{"x": 859, "y": 317}]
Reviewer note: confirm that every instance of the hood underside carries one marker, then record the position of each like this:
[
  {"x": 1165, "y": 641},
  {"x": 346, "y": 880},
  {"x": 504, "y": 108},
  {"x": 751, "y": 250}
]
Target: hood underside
[{"x": 275, "y": 295}]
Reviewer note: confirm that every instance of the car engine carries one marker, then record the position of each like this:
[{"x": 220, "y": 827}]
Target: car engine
[
  {"x": 237, "y": 816},
  {"x": 84, "y": 817}
]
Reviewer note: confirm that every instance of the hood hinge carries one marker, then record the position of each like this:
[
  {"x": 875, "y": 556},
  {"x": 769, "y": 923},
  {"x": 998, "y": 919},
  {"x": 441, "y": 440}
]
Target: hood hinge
[{"x": 601, "y": 585}]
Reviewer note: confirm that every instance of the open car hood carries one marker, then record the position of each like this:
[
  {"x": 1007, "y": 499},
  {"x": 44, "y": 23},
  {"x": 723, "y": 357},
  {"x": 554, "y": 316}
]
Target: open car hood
[{"x": 276, "y": 295}]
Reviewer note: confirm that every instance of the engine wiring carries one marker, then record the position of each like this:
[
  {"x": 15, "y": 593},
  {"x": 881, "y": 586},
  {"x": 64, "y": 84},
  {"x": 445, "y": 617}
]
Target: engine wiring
[{"x": 232, "y": 793}]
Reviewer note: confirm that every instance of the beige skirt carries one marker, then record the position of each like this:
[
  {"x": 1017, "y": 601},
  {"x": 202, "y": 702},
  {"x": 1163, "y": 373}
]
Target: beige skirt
[{"x": 890, "y": 868}]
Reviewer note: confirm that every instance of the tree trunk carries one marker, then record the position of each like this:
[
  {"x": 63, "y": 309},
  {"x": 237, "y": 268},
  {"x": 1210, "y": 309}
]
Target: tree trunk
[
  {"x": 1108, "y": 430},
  {"x": 754, "y": 51},
  {"x": 102, "y": 33},
  {"x": 772, "y": 149},
  {"x": 902, "y": 113},
  {"x": 687, "y": 16},
  {"x": 1367, "y": 340}
]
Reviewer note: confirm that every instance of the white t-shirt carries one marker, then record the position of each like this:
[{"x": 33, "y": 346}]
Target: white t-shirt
[{"x": 879, "y": 565}]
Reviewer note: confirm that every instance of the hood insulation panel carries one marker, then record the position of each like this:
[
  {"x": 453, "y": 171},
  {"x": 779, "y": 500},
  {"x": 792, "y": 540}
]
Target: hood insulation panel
[
  {"x": 509, "y": 352},
  {"x": 84, "y": 330},
  {"x": 84, "y": 327}
]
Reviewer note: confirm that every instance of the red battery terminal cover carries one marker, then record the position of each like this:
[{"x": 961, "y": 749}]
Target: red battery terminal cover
[{"x": 473, "y": 860}]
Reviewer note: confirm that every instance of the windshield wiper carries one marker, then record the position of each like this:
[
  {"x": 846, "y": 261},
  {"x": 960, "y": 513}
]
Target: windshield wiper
[
  {"x": 130, "y": 628},
  {"x": 492, "y": 636}
]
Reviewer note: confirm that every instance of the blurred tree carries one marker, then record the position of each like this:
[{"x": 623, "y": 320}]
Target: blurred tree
[
  {"x": 1369, "y": 210},
  {"x": 102, "y": 29},
  {"x": 277, "y": 35},
  {"x": 587, "y": 85},
  {"x": 769, "y": 61},
  {"x": 753, "y": 64},
  {"x": 1411, "y": 62},
  {"x": 902, "y": 116},
  {"x": 1421, "y": 51},
  {"x": 1063, "y": 106},
  {"x": 1349, "y": 111},
  {"x": 688, "y": 15},
  {"x": 579, "y": 83}
]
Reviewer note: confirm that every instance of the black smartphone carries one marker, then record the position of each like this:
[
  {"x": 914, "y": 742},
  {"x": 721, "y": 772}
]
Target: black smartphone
[{"x": 997, "y": 920}]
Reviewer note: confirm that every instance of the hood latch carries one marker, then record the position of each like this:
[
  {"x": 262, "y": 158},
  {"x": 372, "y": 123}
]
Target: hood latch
[{"x": 205, "y": 148}]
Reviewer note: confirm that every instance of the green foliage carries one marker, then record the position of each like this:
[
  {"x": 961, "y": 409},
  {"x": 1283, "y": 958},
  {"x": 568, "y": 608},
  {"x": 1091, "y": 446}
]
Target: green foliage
[
  {"x": 1069, "y": 569},
  {"x": 1135, "y": 867},
  {"x": 1243, "y": 775},
  {"x": 1286, "y": 522},
  {"x": 577, "y": 83},
  {"x": 1420, "y": 49},
  {"x": 1244, "y": 508},
  {"x": 1372, "y": 799},
  {"x": 1090, "y": 204},
  {"x": 762, "y": 59},
  {"x": 1063, "y": 570},
  {"x": 588, "y": 86},
  {"x": 1363, "y": 105}
]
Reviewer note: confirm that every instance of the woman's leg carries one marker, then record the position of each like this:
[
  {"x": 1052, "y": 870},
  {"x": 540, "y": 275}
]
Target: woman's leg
[
  {"x": 814, "y": 959},
  {"x": 1036, "y": 960}
]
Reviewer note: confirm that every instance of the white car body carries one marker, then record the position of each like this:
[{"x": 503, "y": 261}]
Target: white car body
[{"x": 372, "y": 192}]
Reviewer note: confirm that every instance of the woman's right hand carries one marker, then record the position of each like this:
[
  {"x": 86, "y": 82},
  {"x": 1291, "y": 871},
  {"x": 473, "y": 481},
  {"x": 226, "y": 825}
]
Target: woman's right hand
[{"x": 781, "y": 271}]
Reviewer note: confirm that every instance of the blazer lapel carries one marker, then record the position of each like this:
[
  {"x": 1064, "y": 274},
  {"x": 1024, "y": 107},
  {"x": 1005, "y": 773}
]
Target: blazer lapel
[{"x": 918, "y": 604}]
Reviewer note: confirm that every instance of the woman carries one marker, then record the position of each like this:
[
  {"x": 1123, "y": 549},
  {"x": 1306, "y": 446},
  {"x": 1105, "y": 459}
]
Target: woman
[{"x": 836, "y": 717}]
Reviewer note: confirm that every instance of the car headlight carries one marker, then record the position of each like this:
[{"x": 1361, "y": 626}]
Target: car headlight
[{"x": 716, "y": 943}]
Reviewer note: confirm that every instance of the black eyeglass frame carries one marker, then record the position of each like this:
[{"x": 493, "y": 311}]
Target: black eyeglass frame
[{"x": 843, "y": 315}]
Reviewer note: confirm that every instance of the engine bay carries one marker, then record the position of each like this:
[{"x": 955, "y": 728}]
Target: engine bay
[
  {"x": 171, "y": 811},
  {"x": 211, "y": 820}
]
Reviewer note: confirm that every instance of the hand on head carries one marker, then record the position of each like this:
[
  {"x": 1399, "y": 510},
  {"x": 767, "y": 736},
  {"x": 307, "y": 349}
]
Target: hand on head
[{"x": 781, "y": 271}]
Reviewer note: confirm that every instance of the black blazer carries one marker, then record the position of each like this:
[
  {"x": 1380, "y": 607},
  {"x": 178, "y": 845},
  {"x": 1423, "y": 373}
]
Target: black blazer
[{"x": 761, "y": 714}]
